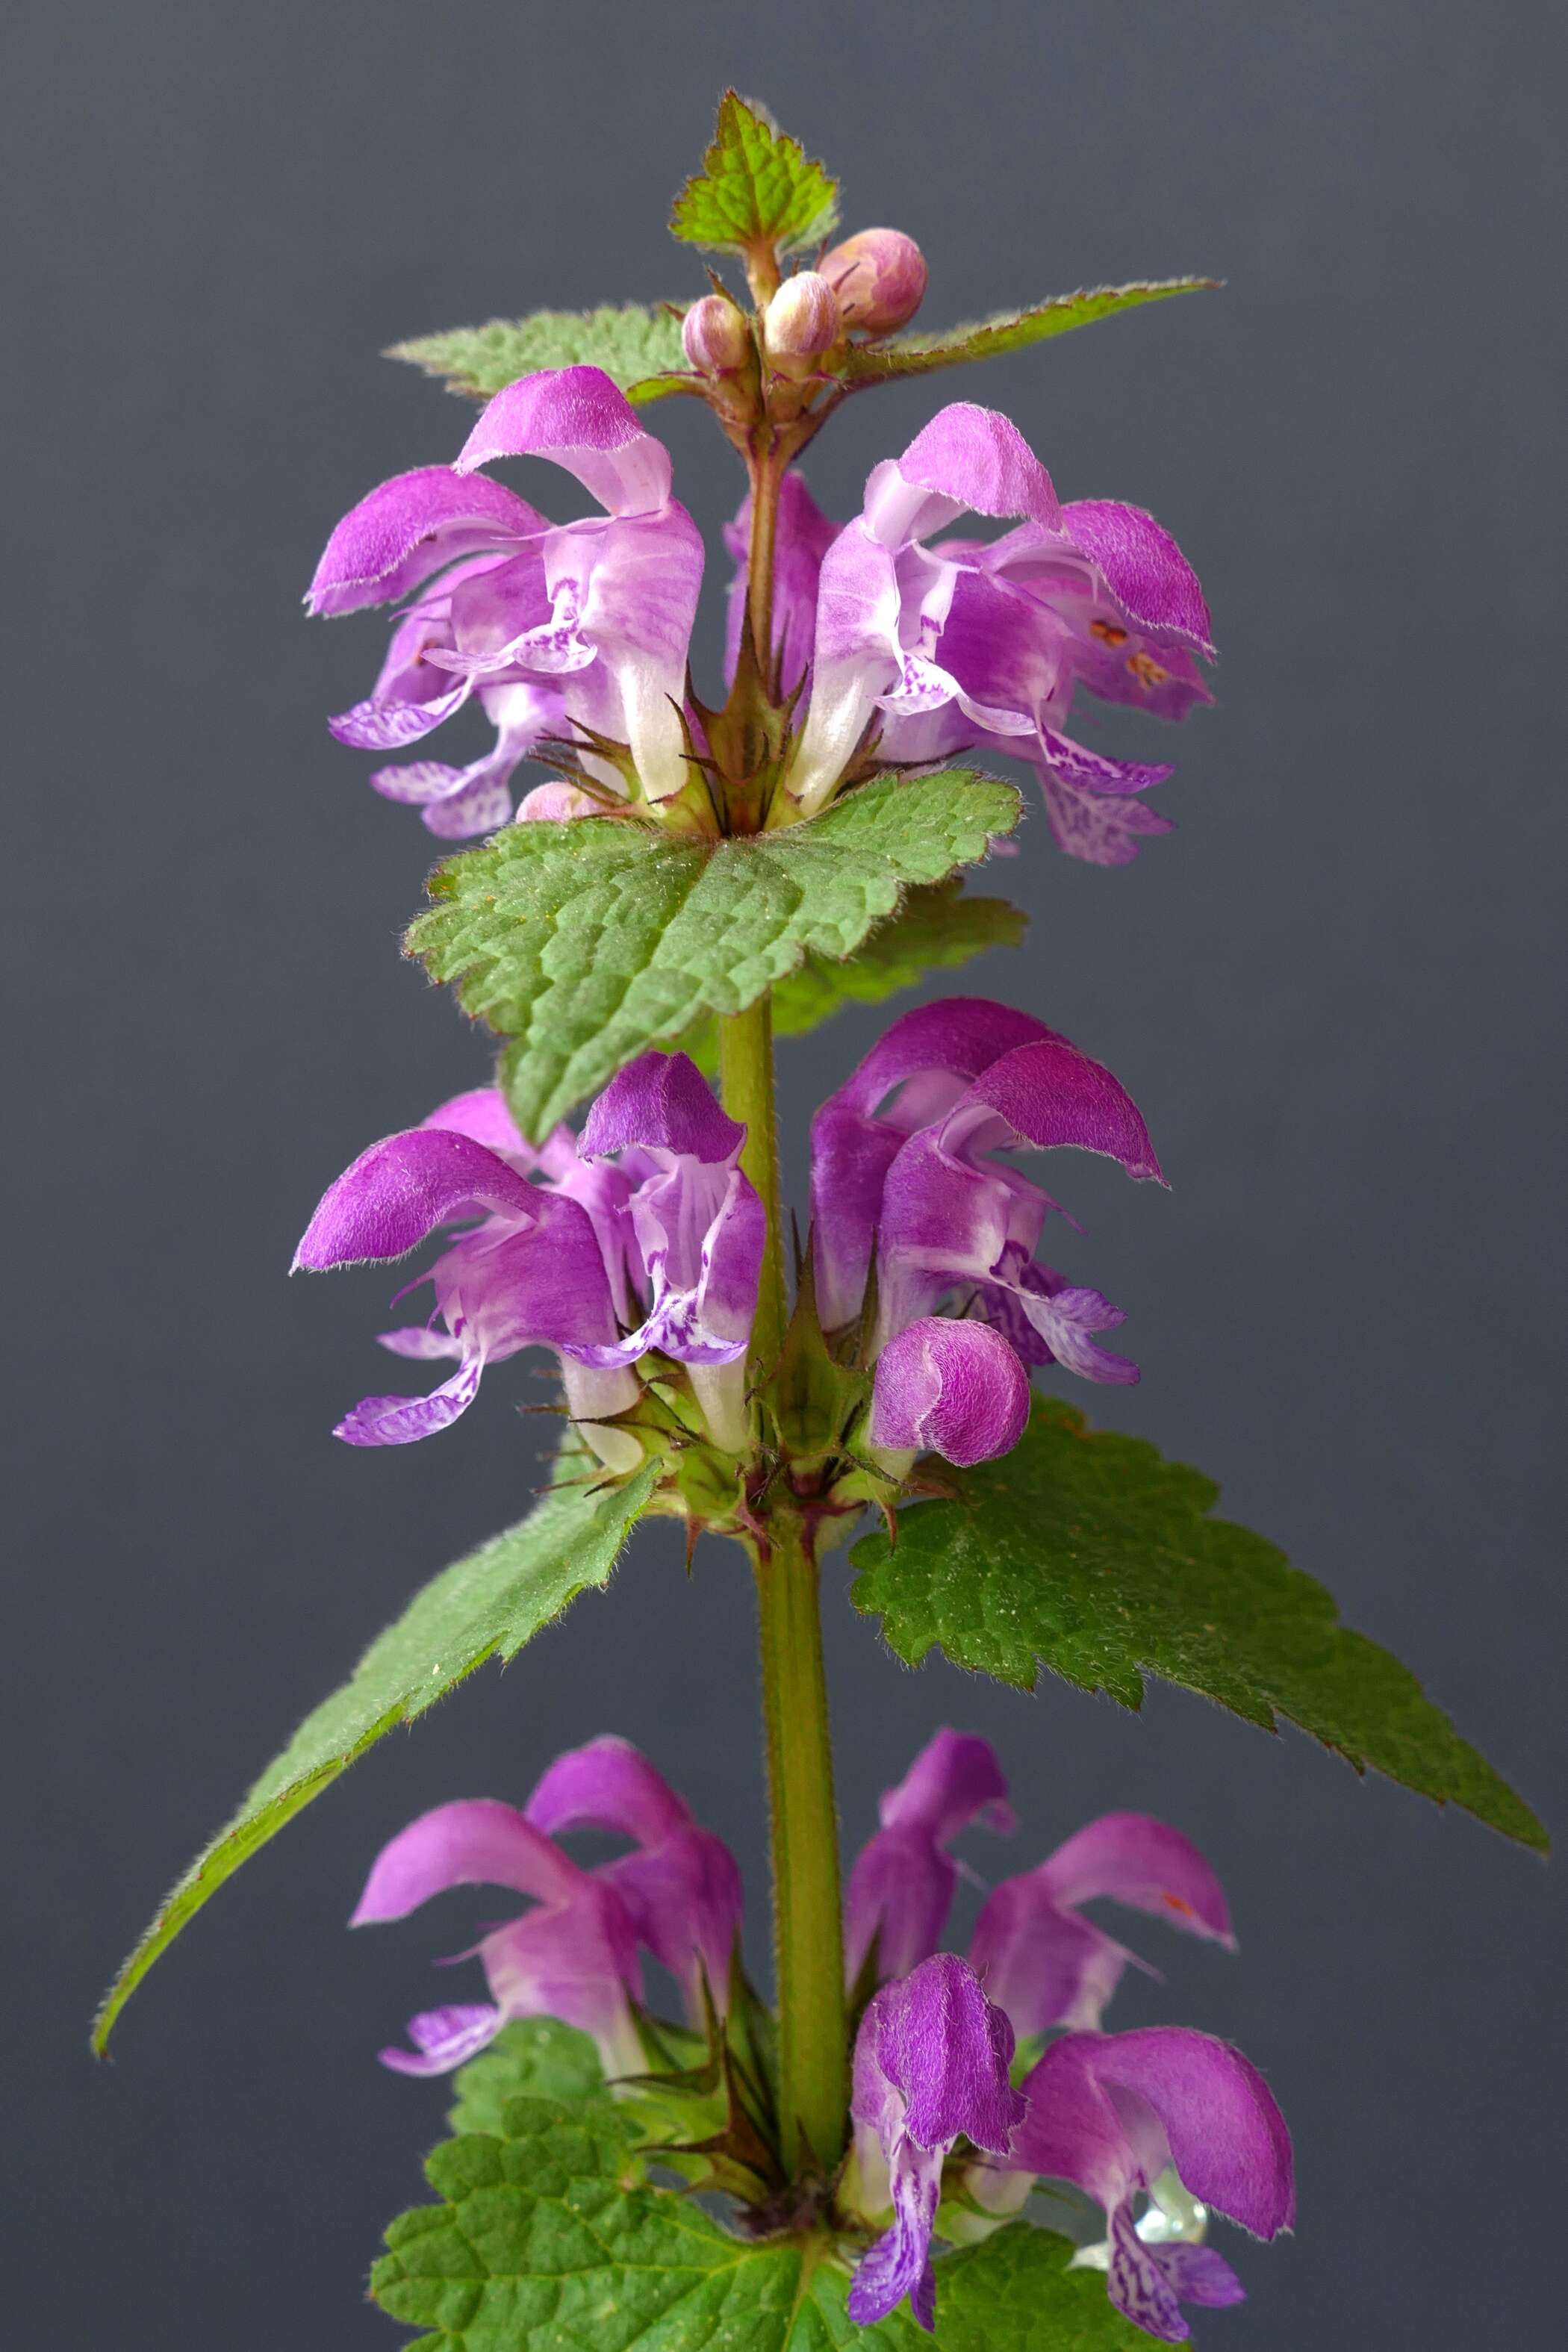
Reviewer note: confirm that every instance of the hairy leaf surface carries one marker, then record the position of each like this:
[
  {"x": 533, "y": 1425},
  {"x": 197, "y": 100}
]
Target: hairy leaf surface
[
  {"x": 1090, "y": 1554},
  {"x": 1009, "y": 330},
  {"x": 585, "y": 943},
  {"x": 936, "y": 928},
  {"x": 487, "y": 1605},
  {"x": 757, "y": 186},
  {"x": 636, "y": 344},
  {"x": 550, "y": 2234}
]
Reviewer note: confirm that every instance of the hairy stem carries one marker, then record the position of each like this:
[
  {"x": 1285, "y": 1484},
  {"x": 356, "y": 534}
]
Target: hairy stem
[
  {"x": 767, "y": 474},
  {"x": 808, "y": 1931},
  {"x": 746, "y": 1081}
]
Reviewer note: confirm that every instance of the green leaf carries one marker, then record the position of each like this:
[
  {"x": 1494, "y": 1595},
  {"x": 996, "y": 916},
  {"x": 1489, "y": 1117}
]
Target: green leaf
[
  {"x": 548, "y": 2235},
  {"x": 1092, "y": 1554},
  {"x": 487, "y": 1605},
  {"x": 936, "y": 928},
  {"x": 586, "y": 943},
  {"x": 1009, "y": 330},
  {"x": 534, "y": 2057},
  {"x": 757, "y": 187},
  {"x": 1016, "y": 2293},
  {"x": 636, "y": 344}
]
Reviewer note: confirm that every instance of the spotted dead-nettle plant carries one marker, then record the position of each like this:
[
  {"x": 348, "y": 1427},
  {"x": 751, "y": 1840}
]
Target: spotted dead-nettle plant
[{"x": 668, "y": 873}]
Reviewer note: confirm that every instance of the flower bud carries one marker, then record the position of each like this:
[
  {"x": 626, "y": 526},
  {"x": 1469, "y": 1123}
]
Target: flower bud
[
  {"x": 879, "y": 277},
  {"x": 715, "y": 336},
  {"x": 801, "y": 320},
  {"x": 953, "y": 1388}
]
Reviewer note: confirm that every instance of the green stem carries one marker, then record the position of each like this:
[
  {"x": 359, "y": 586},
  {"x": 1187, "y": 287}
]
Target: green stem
[
  {"x": 808, "y": 1930},
  {"x": 767, "y": 476},
  {"x": 746, "y": 1079}
]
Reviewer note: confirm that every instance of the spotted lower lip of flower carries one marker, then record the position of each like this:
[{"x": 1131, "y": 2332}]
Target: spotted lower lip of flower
[
  {"x": 1045, "y": 1964},
  {"x": 931, "y": 2061},
  {"x": 700, "y": 1228},
  {"x": 1116, "y": 2114},
  {"x": 593, "y": 618},
  {"x": 542, "y": 1267},
  {"x": 573, "y": 1956},
  {"x": 680, "y": 1887},
  {"x": 968, "y": 645},
  {"x": 901, "y": 1887}
]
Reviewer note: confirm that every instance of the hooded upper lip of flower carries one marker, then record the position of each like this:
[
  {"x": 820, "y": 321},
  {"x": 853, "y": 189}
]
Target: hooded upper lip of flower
[
  {"x": 964, "y": 644},
  {"x": 901, "y": 1887},
  {"x": 1115, "y": 2112},
  {"x": 680, "y": 1885},
  {"x": 563, "y": 1262},
  {"x": 1045, "y": 1964},
  {"x": 575, "y": 1957},
  {"x": 550, "y": 624},
  {"x": 910, "y": 1177}
]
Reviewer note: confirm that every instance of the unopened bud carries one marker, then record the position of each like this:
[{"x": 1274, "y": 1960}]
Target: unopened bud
[
  {"x": 879, "y": 277},
  {"x": 715, "y": 336},
  {"x": 801, "y": 320}
]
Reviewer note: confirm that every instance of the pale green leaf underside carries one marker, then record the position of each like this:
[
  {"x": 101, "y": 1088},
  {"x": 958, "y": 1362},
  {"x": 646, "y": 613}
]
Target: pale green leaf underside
[
  {"x": 757, "y": 186},
  {"x": 487, "y": 1605},
  {"x": 1009, "y": 330},
  {"x": 935, "y": 930},
  {"x": 586, "y": 943},
  {"x": 549, "y": 2237},
  {"x": 1092, "y": 1554},
  {"x": 636, "y": 343}
]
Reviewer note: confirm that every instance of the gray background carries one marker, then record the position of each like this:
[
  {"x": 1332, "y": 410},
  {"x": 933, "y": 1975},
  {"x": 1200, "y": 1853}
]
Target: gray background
[{"x": 1330, "y": 991}]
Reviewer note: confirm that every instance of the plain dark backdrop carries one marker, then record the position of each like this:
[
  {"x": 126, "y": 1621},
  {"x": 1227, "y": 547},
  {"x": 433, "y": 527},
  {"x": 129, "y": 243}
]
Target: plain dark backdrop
[{"x": 1331, "y": 992}]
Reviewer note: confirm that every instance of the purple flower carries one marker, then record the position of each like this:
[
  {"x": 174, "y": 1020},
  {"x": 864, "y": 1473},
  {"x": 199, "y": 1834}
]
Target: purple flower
[
  {"x": 547, "y": 625},
  {"x": 901, "y": 1162},
  {"x": 575, "y": 1957},
  {"x": 1161, "y": 2111},
  {"x": 968, "y": 645},
  {"x": 1047, "y": 1966},
  {"x": 931, "y": 2064},
  {"x": 802, "y": 537},
  {"x": 569, "y": 1251},
  {"x": 901, "y": 1887},
  {"x": 698, "y": 1228},
  {"x": 680, "y": 1887}
]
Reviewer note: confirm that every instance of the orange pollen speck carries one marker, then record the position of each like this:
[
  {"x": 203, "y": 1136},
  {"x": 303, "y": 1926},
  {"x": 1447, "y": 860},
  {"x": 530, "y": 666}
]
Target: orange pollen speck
[
  {"x": 1176, "y": 1902},
  {"x": 1107, "y": 632},
  {"x": 1146, "y": 669}
]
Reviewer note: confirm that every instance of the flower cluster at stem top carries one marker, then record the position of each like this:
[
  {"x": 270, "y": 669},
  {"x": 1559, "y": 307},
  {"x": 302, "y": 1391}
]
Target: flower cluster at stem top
[
  {"x": 945, "y": 2141},
  {"x": 890, "y": 647}
]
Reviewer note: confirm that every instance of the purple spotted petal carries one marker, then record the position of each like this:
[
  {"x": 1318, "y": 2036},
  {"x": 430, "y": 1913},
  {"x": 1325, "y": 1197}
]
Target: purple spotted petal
[
  {"x": 661, "y": 1101},
  {"x": 953, "y": 1388},
  {"x": 1146, "y": 571},
  {"x": 576, "y": 1960},
  {"x": 445, "y": 2038},
  {"x": 404, "y": 1420},
  {"x": 375, "y": 725},
  {"x": 1095, "y": 772},
  {"x": 901, "y": 1887},
  {"x": 932, "y": 2061},
  {"x": 401, "y": 1190},
  {"x": 1100, "y": 830},
  {"x": 410, "y": 528},
  {"x": 1198, "y": 2274},
  {"x": 578, "y": 419}
]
